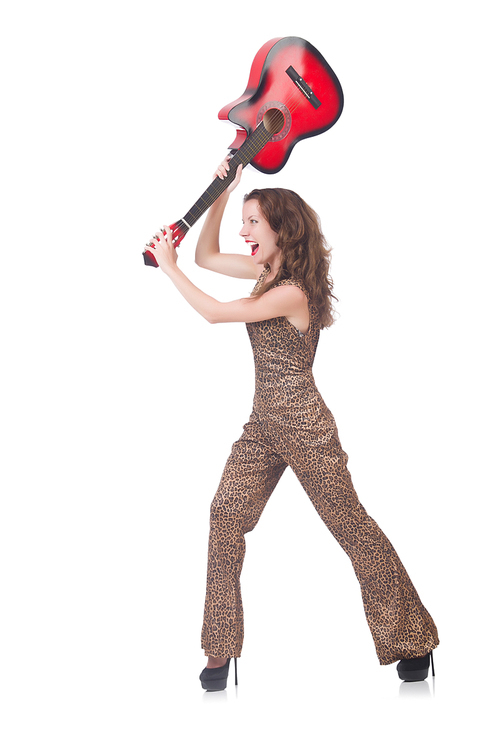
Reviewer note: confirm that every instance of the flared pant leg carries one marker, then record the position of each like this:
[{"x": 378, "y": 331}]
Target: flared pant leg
[
  {"x": 401, "y": 627},
  {"x": 252, "y": 471}
]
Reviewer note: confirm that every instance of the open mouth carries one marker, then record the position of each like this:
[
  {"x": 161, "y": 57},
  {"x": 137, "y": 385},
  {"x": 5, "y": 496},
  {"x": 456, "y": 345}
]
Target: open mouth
[{"x": 254, "y": 246}]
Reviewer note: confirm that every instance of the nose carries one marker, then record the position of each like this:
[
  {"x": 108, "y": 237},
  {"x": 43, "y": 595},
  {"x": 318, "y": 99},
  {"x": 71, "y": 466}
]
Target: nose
[{"x": 243, "y": 232}]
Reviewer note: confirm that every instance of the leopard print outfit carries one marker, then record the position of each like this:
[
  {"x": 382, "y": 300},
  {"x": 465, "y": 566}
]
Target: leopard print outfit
[{"x": 290, "y": 425}]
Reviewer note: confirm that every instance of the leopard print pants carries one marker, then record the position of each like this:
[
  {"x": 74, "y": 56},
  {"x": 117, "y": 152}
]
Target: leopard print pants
[{"x": 400, "y": 625}]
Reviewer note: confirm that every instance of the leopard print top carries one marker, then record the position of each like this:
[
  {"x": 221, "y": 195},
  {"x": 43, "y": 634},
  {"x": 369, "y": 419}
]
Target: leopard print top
[{"x": 285, "y": 390}]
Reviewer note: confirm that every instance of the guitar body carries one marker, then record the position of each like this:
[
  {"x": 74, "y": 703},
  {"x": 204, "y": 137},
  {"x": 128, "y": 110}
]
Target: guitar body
[{"x": 290, "y": 75}]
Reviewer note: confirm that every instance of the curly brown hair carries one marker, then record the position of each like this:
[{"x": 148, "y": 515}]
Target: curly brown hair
[{"x": 305, "y": 253}]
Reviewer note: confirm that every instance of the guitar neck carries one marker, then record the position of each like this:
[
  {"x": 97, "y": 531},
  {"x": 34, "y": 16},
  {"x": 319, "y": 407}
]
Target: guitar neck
[{"x": 253, "y": 144}]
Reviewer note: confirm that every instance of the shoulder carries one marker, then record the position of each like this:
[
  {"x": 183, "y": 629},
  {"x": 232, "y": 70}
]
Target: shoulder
[
  {"x": 287, "y": 298},
  {"x": 294, "y": 285},
  {"x": 286, "y": 292}
]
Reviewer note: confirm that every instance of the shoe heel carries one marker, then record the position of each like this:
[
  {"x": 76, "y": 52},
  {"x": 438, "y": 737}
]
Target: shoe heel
[
  {"x": 236, "y": 672},
  {"x": 432, "y": 664}
]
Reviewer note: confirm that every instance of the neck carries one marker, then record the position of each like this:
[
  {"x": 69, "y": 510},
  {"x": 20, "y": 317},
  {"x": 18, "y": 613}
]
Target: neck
[{"x": 270, "y": 272}]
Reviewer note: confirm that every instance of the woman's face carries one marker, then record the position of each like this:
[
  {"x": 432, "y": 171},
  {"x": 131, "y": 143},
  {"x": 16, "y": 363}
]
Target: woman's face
[{"x": 258, "y": 233}]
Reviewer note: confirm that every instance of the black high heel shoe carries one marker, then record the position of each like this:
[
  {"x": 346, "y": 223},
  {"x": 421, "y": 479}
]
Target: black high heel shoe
[
  {"x": 415, "y": 669},
  {"x": 215, "y": 679}
]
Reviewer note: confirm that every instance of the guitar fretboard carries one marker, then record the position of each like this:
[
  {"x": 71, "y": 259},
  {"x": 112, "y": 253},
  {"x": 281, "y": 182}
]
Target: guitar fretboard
[{"x": 243, "y": 156}]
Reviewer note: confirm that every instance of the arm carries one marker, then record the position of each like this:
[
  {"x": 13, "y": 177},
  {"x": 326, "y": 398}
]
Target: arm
[
  {"x": 284, "y": 301},
  {"x": 208, "y": 254}
]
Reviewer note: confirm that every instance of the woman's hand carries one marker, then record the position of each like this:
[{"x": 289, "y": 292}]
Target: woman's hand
[
  {"x": 222, "y": 172},
  {"x": 163, "y": 249}
]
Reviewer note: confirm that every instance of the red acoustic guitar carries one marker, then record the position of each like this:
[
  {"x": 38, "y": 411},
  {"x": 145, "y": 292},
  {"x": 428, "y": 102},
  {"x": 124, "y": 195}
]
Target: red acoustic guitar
[{"x": 292, "y": 93}]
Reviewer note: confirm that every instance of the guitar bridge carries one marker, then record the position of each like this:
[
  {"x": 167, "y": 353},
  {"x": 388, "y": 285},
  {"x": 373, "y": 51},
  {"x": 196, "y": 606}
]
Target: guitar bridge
[{"x": 303, "y": 87}]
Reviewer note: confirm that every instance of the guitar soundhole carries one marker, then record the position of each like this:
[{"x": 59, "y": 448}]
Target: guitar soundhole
[
  {"x": 274, "y": 120},
  {"x": 277, "y": 120}
]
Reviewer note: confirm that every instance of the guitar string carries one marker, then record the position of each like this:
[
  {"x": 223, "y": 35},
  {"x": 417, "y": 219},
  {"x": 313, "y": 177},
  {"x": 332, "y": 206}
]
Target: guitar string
[
  {"x": 259, "y": 138},
  {"x": 218, "y": 187}
]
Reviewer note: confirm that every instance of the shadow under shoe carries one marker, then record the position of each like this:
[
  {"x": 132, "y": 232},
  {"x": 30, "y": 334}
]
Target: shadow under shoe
[
  {"x": 415, "y": 669},
  {"x": 215, "y": 679}
]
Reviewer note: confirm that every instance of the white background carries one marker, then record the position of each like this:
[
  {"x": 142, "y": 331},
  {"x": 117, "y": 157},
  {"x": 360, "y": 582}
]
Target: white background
[{"x": 120, "y": 404}]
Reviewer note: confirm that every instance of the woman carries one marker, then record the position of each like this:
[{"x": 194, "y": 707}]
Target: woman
[{"x": 289, "y": 425}]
